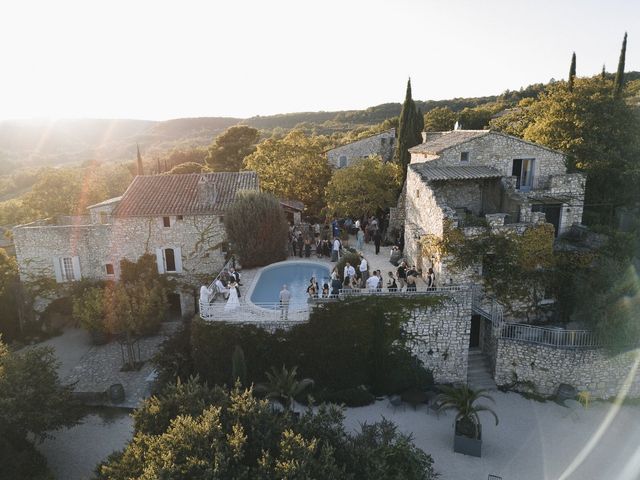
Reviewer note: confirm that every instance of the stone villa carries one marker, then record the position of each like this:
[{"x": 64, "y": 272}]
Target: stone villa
[
  {"x": 179, "y": 218},
  {"x": 466, "y": 176},
  {"x": 382, "y": 144}
]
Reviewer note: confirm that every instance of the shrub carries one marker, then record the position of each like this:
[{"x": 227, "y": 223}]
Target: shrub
[
  {"x": 342, "y": 346},
  {"x": 238, "y": 436},
  {"x": 257, "y": 228}
]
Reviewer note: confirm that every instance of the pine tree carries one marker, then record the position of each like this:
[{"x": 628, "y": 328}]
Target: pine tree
[
  {"x": 572, "y": 72},
  {"x": 409, "y": 131},
  {"x": 140, "y": 168},
  {"x": 619, "y": 81}
]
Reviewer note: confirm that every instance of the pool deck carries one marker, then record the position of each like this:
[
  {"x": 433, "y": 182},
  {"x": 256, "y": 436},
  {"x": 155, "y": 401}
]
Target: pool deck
[{"x": 250, "y": 313}]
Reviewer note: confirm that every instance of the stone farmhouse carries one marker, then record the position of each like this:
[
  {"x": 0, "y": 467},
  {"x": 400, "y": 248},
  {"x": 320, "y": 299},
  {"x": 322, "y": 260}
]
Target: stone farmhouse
[
  {"x": 468, "y": 177},
  {"x": 179, "y": 218},
  {"x": 382, "y": 144}
]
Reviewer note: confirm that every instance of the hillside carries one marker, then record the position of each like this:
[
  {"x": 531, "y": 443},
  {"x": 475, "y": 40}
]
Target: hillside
[{"x": 56, "y": 142}]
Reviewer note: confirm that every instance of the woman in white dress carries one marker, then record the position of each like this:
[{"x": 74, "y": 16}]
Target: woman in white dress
[{"x": 232, "y": 301}]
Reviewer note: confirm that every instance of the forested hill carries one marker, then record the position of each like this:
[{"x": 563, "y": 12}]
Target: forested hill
[{"x": 55, "y": 142}]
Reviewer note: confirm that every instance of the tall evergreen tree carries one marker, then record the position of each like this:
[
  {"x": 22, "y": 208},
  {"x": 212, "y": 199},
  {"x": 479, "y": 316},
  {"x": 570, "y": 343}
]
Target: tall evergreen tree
[
  {"x": 619, "y": 81},
  {"x": 572, "y": 72},
  {"x": 409, "y": 130},
  {"x": 603, "y": 74},
  {"x": 140, "y": 168}
]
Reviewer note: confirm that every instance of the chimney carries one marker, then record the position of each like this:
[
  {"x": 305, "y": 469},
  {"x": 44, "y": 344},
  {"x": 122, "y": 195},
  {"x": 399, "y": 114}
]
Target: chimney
[{"x": 206, "y": 190}]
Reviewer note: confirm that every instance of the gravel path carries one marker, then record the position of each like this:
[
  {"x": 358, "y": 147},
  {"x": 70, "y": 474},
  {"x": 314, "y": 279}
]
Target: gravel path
[
  {"x": 534, "y": 441},
  {"x": 74, "y": 452}
]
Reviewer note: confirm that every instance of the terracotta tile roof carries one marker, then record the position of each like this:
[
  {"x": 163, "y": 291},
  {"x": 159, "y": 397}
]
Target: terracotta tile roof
[
  {"x": 430, "y": 173},
  {"x": 178, "y": 194},
  {"x": 439, "y": 141},
  {"x": 105, "y": 202},
  {"x": 292, "y": 204}
]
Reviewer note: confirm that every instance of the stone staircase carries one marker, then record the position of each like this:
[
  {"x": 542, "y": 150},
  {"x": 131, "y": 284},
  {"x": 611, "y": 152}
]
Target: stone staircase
[{"x": 478, "y": 371}]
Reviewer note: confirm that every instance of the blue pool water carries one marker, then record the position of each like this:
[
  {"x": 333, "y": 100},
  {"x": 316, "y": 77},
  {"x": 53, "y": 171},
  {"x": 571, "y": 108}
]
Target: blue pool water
[{"x": 295, "y": 275}]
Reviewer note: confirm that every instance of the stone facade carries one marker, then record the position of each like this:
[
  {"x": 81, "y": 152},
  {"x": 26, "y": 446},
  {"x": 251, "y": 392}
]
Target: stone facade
[
  {"x": 439, "y": 337},
  {"x": 552, "y": 195},
  {"x": 189, "y": 247},
  {"x": 591, "y": 370},
  {"x": 382, "y": 144}
]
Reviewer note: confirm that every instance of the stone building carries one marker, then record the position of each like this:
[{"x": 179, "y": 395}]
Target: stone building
[
  {"x": 178, "y": 218},
  {"x": 382, "y": 144},
  {"x": 470, "y": 177}
]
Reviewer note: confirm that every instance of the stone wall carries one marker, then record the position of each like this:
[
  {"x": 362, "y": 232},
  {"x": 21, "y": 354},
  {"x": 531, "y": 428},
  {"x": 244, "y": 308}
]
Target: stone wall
[
  {"x": 498, "y": 151},
  {"x": 591, "y": 370},
  {"x": 439, "y": 337},
  {"x": 382, "y": 144},
  {"x": 196, "y": 241}
]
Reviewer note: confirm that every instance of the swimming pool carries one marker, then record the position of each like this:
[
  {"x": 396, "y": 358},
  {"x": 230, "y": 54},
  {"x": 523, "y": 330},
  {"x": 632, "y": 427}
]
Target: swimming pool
[{"x": 295, "y": 275}]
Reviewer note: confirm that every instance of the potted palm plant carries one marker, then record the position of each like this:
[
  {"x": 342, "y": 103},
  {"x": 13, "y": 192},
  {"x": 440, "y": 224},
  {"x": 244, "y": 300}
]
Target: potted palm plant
[
  {"x": 283, "y": 386},
  {"x": 468, "y": 430}
]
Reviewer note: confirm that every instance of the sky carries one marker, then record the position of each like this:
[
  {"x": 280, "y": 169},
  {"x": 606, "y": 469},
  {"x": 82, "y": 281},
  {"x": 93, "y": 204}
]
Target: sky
[{"x": 158, "y": 60}]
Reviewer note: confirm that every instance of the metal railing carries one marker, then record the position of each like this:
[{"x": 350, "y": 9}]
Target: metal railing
[
  {"x": 555, "y": 337},
  {"x": 353, "y": 292},
  {"x": 253, "y": 312}
]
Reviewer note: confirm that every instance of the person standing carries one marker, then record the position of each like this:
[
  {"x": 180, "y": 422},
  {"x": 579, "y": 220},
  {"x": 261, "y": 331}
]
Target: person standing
[
  {"x": 359, "y": 239},
  {"x": 335, "y": 251},
  {"x": 364, "y": 269},
  {"x": 392, "y": 286},
  {"x": 285, "y": 298},
  {"x": 349, "y": 271},
  {"x": 372, "y": 283},
  {"x": 232, "y": 302},
  {"x": 300, "y": 244},
  {"x": 402, "y": 275},
  {"x": 377, "y": 239},
  {"x": 431, "y": 279},
  {"x": 294, "y": 243}
]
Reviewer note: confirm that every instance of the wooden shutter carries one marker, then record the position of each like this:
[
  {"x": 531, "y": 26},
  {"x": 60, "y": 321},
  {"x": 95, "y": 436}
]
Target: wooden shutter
[
  {"x": 160, "y": 260},
  {"x": 177, "y": 254},
  {"x": 57, "y": 269},
  {"x": 75, "y": 261}
]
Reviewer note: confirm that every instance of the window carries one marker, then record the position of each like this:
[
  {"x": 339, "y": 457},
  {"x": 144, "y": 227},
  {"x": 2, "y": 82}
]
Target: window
[
  {"x": 464, "y": 157},
  {"x": 103, "y": 217},
  {"x": 523, "y": 171},
  {"x": 391, "y": 141},
  {"x": 109, "y": 268},
  {"x": 417, "y": 193},
  {"x": 67, "y": 269},
  {"x": 383, "y": 141},
  {"x": 169, "y": 260},
  {"x": 179, "y": 217},
  {"x": 166, "y": 222},
  {"x": 343, "y": 161}
]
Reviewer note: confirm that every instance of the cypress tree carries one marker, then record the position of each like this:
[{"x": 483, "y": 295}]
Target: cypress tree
[
  {"x": 409, "y": 131},
  {"x": 572, "y": 72},
  {"x": 619, "y": 81},
  {"x": 603, "y": 74},
  {"x": 140, "y": 168}
]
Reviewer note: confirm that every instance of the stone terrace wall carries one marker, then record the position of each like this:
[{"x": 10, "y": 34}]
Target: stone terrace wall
[
  {"x": 440, "y": 338},
  {"x": 382, "y": 144},
  {"x": 547, "y": 367}
]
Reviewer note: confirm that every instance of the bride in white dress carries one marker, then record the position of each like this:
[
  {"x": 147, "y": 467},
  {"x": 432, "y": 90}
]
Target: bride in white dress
[{"x": 232, "y": 301}]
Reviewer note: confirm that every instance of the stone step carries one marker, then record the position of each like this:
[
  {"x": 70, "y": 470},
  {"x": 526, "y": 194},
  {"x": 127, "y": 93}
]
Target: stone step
[{"x": 479, "y": 371}]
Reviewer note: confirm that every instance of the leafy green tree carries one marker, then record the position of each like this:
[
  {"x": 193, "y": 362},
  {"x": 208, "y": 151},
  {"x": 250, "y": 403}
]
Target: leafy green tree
[
  {"x": 57, "y": 192},
  {"x": 257, "y": 228},
  {"x": 572, "y": 72},
  {"x": 598, "y": 132},
  {"x": 9, "y": 294},
  {"x": 294, "y": 167},
  {"x": 89, "y": 310},
  {"x": 618, "y": 83},
  {"x": 238, "y": 436},
  {"x": 368, "y": 185},
  {"x": 514, "y": 121},
  {"x": 409, "y": 131},
  {"x": 229, "y": 150},
  {"x": 439, "y": 119},
  {"x": 32, "y": 403},
  {"x": 476, "y": 118},
  {"x": 188, "y": 167}
]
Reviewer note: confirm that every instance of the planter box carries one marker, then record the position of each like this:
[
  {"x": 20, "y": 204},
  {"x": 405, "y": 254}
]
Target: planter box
[{"x": 468, "y": 446}]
